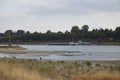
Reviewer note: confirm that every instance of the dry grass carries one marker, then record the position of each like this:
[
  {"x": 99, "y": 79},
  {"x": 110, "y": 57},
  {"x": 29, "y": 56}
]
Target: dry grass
[
  {"x": 18, "y": 72},
  {"x": 42, "y": 70},
  {"x": 102, "y": 75}
]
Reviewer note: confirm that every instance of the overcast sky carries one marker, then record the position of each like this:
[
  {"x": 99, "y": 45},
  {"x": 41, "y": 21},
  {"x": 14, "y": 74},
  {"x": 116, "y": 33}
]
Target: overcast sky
[{"x": 58, "y": 15}]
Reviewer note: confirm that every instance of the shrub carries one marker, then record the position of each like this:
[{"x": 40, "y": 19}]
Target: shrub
[
  {"x": 97, "y": 64},
  {"x": 88, "y": 63}
]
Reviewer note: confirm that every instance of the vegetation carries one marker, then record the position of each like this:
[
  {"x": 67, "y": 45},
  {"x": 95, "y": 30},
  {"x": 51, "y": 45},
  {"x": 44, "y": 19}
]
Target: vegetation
[
  {"x": 20, "y": 69},
  {"x": 88, "y": 63},
  {"x": 76, "y": 34}
]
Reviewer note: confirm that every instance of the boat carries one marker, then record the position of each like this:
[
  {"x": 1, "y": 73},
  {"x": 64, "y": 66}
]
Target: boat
[
  {"x": 70, "y": 43},
  {"x": 73, "y": 43},
  {"x": 83, "y": 43},
  {"x": 79, "y": 43},
  {"x": 57, "y": 43}
]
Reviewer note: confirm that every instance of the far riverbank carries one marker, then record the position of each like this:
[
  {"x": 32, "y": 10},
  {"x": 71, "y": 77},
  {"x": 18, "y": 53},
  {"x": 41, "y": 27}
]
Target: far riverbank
[{"x": 46, "y": 43}]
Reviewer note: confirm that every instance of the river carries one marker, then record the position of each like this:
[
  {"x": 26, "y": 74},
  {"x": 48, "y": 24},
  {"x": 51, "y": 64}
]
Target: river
[{"x": 86, "y": 52}]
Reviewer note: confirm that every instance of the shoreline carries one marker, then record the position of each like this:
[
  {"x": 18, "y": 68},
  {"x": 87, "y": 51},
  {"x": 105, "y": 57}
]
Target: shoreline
[
  {"x": 46, "y": 43},
  {"x": 7, "y": 51},
  {"x": 21, "y": 50}
]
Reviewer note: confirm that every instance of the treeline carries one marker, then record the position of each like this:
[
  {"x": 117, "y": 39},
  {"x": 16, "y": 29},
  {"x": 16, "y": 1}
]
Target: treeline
[{"x": 75, "y": 34}]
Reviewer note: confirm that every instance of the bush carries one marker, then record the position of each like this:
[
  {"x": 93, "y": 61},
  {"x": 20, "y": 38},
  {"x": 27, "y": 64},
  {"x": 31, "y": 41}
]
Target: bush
[
  {"x": 97, "y": 64},
  {"x": 88, "y": 63}
]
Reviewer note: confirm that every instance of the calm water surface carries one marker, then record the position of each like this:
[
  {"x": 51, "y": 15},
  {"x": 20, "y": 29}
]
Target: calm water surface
[
  {"x": 87, "y": 52},
  {"x": 88, "y": 48}
]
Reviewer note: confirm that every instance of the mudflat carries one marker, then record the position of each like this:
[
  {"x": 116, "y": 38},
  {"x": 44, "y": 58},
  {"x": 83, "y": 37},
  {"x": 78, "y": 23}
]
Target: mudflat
[{"x": 21, "y": 50}]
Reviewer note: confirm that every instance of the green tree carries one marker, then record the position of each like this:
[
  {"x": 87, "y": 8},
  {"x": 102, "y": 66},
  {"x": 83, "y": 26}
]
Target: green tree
[
  {"x": 20, "y": 33},
  {"x": 85, "y": 28},
  {"x": 117, "y": 32},
  {"x": 67, "y": 32},
  {"x": 8, "y": 35},
  {"x": 75, "y": 30},
  {"x": 28, "y": 33},
  {"x": 48, "y": 32}
]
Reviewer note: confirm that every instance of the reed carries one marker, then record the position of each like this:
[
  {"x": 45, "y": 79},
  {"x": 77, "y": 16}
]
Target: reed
[
  {"x": 15, "y": 69},
  {"x": 19, "y": 72}
]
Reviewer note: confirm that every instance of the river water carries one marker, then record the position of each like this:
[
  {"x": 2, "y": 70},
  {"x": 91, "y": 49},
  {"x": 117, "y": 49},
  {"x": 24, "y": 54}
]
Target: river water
[{"x": 86, "y": 52}]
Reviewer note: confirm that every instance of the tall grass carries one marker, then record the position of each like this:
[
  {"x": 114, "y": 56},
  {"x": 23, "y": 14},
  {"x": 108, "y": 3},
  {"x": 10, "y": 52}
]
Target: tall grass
[
  {"x": 44, "y": 70},
  {"x": 102, "y": 75},
  {"x": 19, "y": 72}
]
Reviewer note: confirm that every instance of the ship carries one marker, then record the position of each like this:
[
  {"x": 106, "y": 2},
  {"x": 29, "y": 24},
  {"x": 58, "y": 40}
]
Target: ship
[
  {"x": 70, "y": 43},
  {"x": 79, "y": 43}
]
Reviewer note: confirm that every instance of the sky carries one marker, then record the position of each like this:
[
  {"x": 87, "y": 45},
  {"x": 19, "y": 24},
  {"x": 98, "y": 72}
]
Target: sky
[{"x": 58, "y": 15}]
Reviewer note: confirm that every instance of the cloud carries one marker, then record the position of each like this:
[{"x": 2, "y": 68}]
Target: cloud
[
  {"x": 45, "y": 3},
  {"x": 58, "y": 7},
  {"x": 70, "y": 7},
  {"x": 59, "y": 13}
]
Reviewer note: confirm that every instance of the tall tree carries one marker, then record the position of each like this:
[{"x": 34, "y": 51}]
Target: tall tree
[
  {"x": 8, "y": 35},
  {"x": 85, "y": 28},
  {"x": 28, "y": 33},
  {"x": 75, "y": 30},
  {"x": 117, "y": 32},
  {"x": 20, "y": 32},
  {"x": 48, "y": 32}
]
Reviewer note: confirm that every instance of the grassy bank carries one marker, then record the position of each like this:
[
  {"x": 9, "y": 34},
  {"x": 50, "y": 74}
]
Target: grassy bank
[{"x": 20, "y": 69}]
